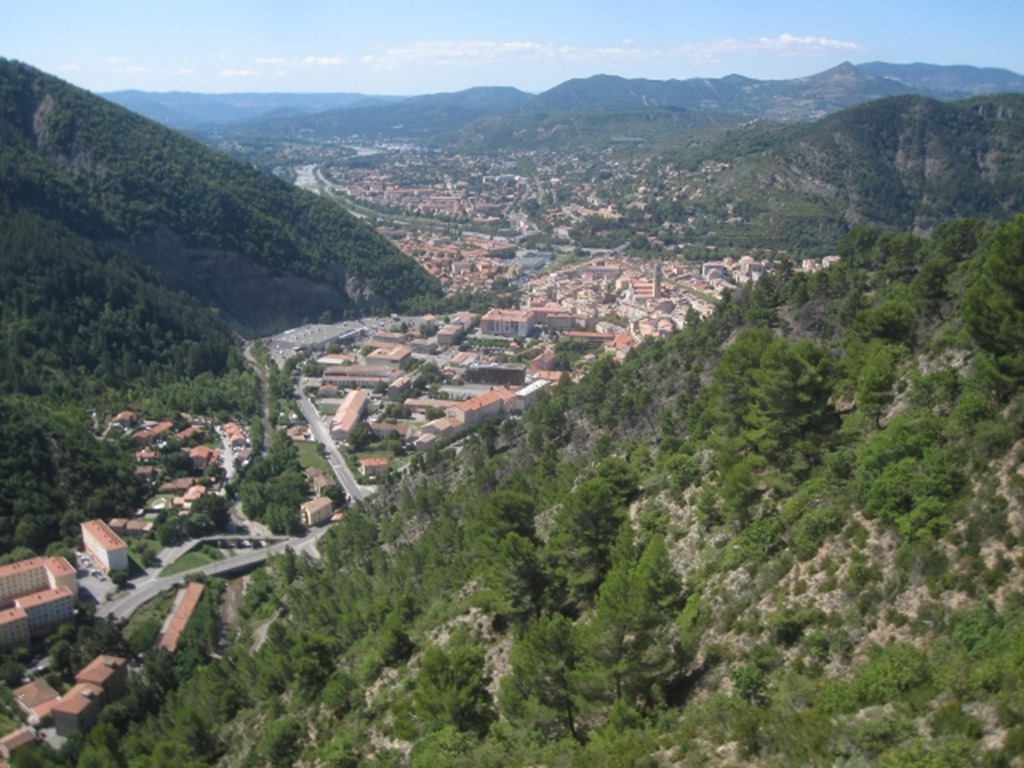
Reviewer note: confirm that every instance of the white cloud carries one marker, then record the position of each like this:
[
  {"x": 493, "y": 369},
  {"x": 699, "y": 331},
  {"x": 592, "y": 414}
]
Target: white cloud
[
  {"x": 238, "y": 73},
  {"x": 783, "y": 45},
  {"x": 473, "y": 52},
  {"x": 305, "y": 61}
]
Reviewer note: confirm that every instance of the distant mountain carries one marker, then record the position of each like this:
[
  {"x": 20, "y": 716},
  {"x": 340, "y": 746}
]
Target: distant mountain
[
  {"x": 185, "y": 111},
  {"x": 423, "y": 118},
  {"x": 949, "y": 81},
  {"x": 798, "y": 99},
  {"x": 415, "y": 118},
  {"x": 262, "y": 252}
]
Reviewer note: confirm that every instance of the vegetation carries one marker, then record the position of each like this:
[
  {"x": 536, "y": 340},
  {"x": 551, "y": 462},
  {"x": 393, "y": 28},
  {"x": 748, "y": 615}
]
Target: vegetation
[{"x": 786, "y": 535}]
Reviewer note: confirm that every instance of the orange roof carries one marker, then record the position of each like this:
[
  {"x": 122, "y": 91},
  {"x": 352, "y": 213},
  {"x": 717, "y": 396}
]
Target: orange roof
[
  {"x": 9, "y": 615},
  {"x": 78, "y": 699},
  {"x": 100, "y": 670},
  {"x": 43, "y": 597},
  {"x": 36, "y": 696},
  {"x": 374, "y": 461},
  {"x": 179, "y": 618},
  {"x": 21, "y": 566},
  {"x": 101, "y": 532}
]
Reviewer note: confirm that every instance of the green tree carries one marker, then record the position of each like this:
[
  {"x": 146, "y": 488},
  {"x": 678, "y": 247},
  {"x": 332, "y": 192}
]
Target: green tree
[
  {"x": 451, "y": 688},
  {"x": 541, "y": 690}
]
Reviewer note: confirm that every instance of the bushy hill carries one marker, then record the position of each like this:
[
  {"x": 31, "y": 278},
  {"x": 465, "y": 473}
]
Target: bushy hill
[
  {"x": 262, "y": 252},
  {"x": 790, "y": 534},
  {"x": 901, "y": 163}
]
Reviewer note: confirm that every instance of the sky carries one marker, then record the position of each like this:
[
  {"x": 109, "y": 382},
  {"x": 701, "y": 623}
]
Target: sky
[{"x": 406, "y": 47}]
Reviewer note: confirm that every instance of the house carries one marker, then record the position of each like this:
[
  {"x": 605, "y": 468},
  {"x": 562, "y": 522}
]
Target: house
[
  {"x": 15, "y": 740},
  {"x": 235, "y": 435},
  {"x": 107, "y": 672},
  {"x": 36, "y": 699},
  {"x": 319, "y": 480},
  {"x": 374, "y": 466},
  {"x": 46, "y": 610},
  {"x": 202, "y": 456},
  {"x": 125, "y": 420},
  {"x": 149, "y": 435},
  {"x": 316, "y": 511},
  {"x": 78, "y": 709},
  {"x": 131, "y": 528},
  {"x": 100, "y": 682},
  {"x": 105, "y": 547},
  {"x": 184, "y": 604}
]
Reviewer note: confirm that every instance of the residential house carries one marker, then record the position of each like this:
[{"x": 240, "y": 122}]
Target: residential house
[
  {"x": 202, "y": 456},
  {"x": 374, "y": 466},
  {"x": 316, "y": 511},
  {"x": 15, "y": 740}
]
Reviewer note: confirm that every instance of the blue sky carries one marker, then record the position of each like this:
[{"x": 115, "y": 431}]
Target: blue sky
[{"x": 404, "y": 48}]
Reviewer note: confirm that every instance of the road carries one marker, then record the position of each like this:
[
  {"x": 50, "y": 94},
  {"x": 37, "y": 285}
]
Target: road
[
  {"x": 149, "y": 586},
  {"x": 353, "y": 489}
]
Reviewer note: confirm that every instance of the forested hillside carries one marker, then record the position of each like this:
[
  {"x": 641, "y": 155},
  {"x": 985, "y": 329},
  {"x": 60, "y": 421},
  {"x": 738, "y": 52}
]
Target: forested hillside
[
  {"x": 259, "y": 250},
  {"x": 789, "y": 535},
  {"x": 905, "y": 163}
]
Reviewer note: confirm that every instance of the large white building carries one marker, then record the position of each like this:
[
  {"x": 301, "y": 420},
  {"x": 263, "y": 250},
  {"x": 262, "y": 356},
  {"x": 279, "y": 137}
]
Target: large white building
[{"x": 105, "y": 547}]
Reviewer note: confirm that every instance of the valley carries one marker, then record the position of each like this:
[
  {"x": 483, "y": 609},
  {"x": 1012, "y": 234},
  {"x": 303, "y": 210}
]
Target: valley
[{"x": 585, "y": 432}]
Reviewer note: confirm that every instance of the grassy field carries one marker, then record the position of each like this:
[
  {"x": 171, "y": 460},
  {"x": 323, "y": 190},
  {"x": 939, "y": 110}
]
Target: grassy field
[
  {"x": 309, "y": 456},
  {"x": 191, "y": 560}
]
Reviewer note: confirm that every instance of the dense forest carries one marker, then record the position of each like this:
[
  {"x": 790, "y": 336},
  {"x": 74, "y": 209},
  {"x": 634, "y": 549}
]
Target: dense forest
[
  {"x": 187, "y": 211},
  {"x": 789, "y": 534}
]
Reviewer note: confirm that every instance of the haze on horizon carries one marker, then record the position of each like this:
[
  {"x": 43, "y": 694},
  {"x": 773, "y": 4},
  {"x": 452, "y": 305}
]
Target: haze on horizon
[{"x": 412, "y": 48}]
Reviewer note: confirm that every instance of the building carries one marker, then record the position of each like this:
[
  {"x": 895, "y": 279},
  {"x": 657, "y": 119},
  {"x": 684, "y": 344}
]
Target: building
[
  {"x": 46, "y": 610},
  {"x": 184, "y": 604},
  {"x": 78, "y": 709},
  {"x": 105, "y": 547},
  {"x": 365, "y": 376},
  {"x": 349, "y": 414},
  {"x": 374, "y": 466},
  {"x": 14, "y": 630},
  {"x": 101, "y": 681},
  {"x": 33, "y": 575},
  {"x": 36, "y": 699},
  {"x": 496, "y": 375},
  {"x": 527, "y": 396},
  {"x": 15, "y": 740},
  {"x": 508, "y": 323},
  {"x": 107, "y": 672},
  {"x": 392, "y": 356},
  {"x": 316, "y": 511},
  {"x": 489, "y": 405},
  {"x": 38, "y": 594}
]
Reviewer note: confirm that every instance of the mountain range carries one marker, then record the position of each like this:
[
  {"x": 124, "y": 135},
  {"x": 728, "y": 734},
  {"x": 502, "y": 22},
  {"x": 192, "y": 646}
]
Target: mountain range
[{"x": 424, "y": 116}]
